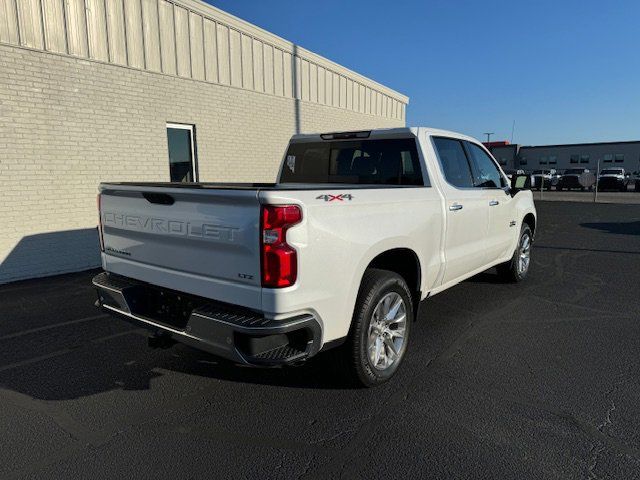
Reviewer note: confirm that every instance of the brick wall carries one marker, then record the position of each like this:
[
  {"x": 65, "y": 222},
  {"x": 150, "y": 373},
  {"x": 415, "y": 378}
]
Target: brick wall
[{"x": 67, "y": 124}]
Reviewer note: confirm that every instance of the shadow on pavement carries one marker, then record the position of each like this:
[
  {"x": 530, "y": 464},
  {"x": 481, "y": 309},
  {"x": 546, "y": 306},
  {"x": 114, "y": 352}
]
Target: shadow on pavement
[{"x": 618, "y": 228}]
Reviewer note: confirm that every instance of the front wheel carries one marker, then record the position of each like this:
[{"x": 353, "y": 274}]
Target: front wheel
[
  {"x": 380, "y": 329},
  {"x": 516, "y": 269}
]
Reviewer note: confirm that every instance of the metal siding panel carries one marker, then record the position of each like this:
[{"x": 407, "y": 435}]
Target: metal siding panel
[
  {"x": 297, "y": 77},
  {"x": 287, "y": 74},
  {"x": 76, "y": 28},
  {"x": 115, "y": 31},
  {"x": 8, "y": 22},
  {"x": 54, "y": 31},
  {"x": 321, "y": 87},
  {"x": 97, "y": 30},
  {"x": 133, "y": 25},
  {"x": 267, "y": 62},
  {"x": 304, "y": 80},
  {"x": 278, "y": 72},
  {"x": 328, "y": 87},
  {"x": 336, "y": 90},
  {"x": 356, "y": 97},
  {"x": 210, "y": 50},
  {"x": 247, "y": 62},
  {"x": 258, "y": 67},
  {"x": 349, "y": 94},
  {"x": 183, "y": 53},
  {"x": 224, "y": 66},
  {"x": 343, "y": 92},
  {"x": 367, "y": 100},
  {"x": 167, "y": 37},
  {"x": 313, "y": 82},
  {"x": 197, "y": 46},
  {"x": 30, "y": 21},
  {"x": 235, "y": 58},
  {"x": 151, "y": 31}
]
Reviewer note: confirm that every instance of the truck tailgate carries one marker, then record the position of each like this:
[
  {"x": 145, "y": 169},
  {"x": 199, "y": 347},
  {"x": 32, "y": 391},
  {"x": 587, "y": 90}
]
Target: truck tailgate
[{"x": 199, "y": 241}]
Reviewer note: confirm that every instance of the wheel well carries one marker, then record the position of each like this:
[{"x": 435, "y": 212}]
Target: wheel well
[
  {"x": 405, "y": 263},
  {"x": 530, "y": 220}
]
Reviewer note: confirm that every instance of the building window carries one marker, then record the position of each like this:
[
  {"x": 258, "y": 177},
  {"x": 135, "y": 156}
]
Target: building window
[
  {"x": 584, "y": 158},
  {"x": 503, "y": 161},
  {"x": 182, "y": 152},
  {"x": 553, "y": 160},
  {"x": 608, "y": 158},
  {"x": 574, "y": 158},
  {"x": 543, "y": 160},
  {"x": 619, "y": 157},
  {"x": 523, "y": 160}
]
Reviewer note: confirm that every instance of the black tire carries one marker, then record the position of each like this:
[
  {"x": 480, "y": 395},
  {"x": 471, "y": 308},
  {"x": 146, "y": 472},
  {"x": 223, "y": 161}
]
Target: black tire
[
  {"x": 510, "y": 271},
  {"x": 352, "y": 358}
]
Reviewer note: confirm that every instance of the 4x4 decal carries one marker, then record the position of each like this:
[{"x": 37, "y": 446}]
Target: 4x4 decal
[{"x": 330, "y": 198}]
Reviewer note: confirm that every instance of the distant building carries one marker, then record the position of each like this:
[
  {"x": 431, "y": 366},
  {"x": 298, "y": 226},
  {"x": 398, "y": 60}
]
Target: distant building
[{"x": 561, "y": 157}]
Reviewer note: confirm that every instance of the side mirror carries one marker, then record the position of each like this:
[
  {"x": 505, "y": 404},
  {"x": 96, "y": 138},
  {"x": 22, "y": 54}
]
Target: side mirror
[{"x": 520, "y": 182}]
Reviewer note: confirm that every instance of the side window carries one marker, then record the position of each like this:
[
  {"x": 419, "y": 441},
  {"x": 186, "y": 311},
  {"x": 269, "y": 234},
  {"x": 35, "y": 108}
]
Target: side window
[
  {"x": 454, "y": 162},
  {"x": 182, "y": 161},
  {"x": 485, "y": 171}
]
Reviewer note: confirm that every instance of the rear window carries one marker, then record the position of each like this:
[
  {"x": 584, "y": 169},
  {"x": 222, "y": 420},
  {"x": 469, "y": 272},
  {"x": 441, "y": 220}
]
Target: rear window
[{"x": 368, "y": 162}]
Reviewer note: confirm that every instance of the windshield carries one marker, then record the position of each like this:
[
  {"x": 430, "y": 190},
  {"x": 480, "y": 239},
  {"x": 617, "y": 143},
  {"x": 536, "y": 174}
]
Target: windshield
[
  {"x": 369, "y": 162},
  {"x": 611, "y": 172}
]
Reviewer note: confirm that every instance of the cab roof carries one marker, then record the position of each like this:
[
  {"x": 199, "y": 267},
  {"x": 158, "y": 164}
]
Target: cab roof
[{"x": 402, "y": 132}]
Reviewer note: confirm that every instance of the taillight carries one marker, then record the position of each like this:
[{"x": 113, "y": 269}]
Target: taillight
[
  {"x": 99, "y": 201},
  {"x": 279, "y": 259}
]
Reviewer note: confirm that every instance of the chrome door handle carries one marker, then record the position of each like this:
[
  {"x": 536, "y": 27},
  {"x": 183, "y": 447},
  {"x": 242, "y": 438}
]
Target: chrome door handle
[
  {"x": 493, "y": 203},
  {"x": 455, "y": 206}
]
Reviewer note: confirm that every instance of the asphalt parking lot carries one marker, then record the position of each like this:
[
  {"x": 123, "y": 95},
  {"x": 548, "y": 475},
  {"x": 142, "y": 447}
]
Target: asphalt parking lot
[{"x": 538, "y": 380}]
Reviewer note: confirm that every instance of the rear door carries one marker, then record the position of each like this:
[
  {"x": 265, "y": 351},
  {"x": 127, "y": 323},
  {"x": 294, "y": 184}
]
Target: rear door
[
  {"x": 488, "y": 178},
  {"x": 196, "y": 240},
  {"x": 466, "y": 209}
]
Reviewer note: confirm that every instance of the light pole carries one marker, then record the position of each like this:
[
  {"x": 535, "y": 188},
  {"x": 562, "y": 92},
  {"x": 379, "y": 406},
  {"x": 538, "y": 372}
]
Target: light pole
[{"x": 488, "y": 134}]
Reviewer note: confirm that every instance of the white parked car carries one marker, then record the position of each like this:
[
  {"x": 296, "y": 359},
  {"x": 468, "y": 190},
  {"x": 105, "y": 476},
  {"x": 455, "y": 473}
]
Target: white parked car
[
  {"x": 359, "y": 228},
  {"x": 613, "y": 178}
]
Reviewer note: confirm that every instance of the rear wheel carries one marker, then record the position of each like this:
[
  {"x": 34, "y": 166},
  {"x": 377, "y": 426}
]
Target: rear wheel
[
  {"x": 379, "y": 331},
  {"x": 516, "y": 269}
]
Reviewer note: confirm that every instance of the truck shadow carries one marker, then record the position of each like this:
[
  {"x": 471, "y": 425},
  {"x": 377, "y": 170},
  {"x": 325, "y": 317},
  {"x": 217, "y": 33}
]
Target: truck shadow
[
  {"x": 617, "y": 228},
  {"x": 50, "y": 253}
]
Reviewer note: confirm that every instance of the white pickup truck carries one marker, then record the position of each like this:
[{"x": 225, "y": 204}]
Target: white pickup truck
[{"x": 338, "y": 253}]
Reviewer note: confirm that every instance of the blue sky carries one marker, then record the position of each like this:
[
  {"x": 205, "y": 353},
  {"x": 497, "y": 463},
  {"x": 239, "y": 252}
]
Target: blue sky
[{"x": 564, "y": 70}]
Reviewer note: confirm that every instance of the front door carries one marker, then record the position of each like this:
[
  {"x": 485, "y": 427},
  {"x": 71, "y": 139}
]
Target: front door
[{"x": 488, "y": 177}]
